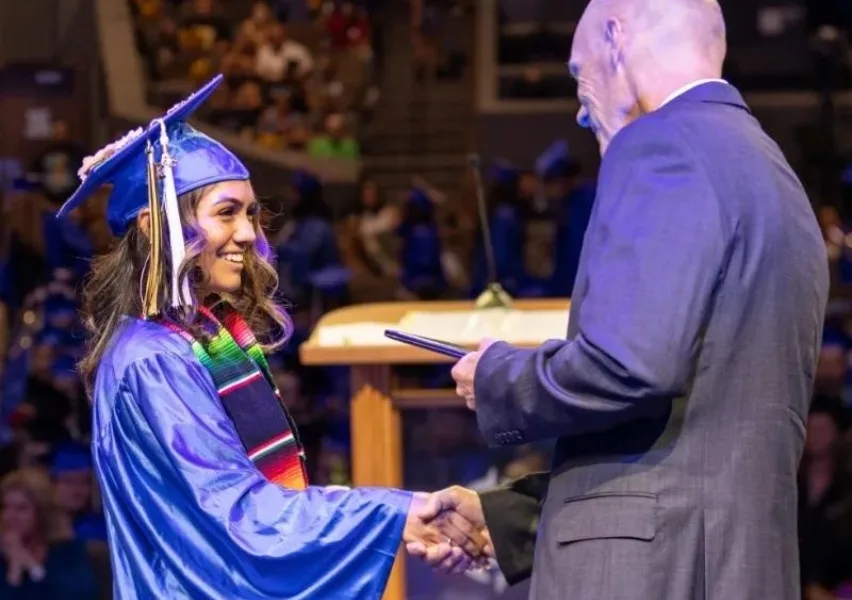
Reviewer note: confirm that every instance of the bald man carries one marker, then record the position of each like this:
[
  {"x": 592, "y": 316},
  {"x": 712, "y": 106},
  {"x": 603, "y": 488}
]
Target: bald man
[{"x": 677, "y": 399}]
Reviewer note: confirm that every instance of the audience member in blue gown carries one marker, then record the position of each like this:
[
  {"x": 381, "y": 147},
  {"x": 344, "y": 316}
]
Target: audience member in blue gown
[
  {"x": 46, "y": 329},
  {"x": 572, "y": 201},
  {"x": 73, "y": 476},
  {"x": 508, "y": 234},
  {"x": 68, "y": 247},
  {"x": 422, "y": 251},
  {"x": 309, "y": 260}
]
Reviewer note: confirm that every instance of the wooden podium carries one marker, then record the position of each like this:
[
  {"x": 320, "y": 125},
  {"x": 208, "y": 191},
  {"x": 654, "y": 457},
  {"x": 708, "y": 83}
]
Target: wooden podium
[{"x": 378, "y": 399}]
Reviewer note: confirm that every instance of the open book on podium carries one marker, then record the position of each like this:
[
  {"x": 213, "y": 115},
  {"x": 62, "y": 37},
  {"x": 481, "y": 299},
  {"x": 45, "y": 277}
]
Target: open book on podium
[{"x": 354, "y": 336}]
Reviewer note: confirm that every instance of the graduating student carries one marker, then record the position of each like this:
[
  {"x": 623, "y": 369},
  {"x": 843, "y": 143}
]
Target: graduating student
[
  {"x": 421, "y": 252},
  {"x": 508, "y": 233},
  {"x": 199, "y": 463}
]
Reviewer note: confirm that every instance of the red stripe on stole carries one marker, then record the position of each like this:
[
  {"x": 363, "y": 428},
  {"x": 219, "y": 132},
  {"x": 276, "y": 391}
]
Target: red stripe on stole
[
  {"x": 239, "y": 329},
  {"x": 231, "y": 387},
  {"x": 285, "y": 471}
]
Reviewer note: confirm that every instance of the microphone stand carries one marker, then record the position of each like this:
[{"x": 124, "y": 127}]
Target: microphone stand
[{"x": 494, "y": 296}]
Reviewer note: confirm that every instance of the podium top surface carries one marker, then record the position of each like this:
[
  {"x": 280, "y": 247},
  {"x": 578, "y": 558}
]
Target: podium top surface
[{"x": 355, "y": 334}]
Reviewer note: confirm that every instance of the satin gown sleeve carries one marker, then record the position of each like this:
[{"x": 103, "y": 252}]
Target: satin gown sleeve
[{"x": 204, "y": 519}]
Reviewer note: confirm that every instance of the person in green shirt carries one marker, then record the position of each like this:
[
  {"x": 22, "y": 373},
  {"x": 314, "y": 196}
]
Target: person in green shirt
[{"x": 335, "y": 142}]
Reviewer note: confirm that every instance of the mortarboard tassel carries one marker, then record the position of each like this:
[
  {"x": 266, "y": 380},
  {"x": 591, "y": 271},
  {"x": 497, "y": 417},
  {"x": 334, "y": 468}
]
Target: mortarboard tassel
[
  {"x": 154, "y": 274},
  {"x": 180, "y": 289}
]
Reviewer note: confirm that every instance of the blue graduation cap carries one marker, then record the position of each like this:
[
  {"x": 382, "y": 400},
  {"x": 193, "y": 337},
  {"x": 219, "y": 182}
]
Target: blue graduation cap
[
  {"x": 24, "y": 184},
  {"x": 419, "y": 198},
  {"x": 69, "y": 457},
  {"x": 59, "y": 305},
  {"x": 49, "y": 336},
  {"x": 835, "y": 337},
  {"x": 554, "y": 161},
  {"x": 176, "y": 159},
  {"x": 503, "y": 171},
  {"x": 198, "y": 160},
  {"x": 330, "y": 279},
  {"x": 64, "y": 366},
  {"x": 305, "y": 183}
]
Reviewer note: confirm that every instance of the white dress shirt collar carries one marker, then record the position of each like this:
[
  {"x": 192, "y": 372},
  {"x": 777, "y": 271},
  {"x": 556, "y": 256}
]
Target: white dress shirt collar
[{"x": 689, "y": 86}]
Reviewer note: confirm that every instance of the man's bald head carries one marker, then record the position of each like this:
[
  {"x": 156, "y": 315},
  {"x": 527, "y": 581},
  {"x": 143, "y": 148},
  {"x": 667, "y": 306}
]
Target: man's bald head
[
  {"x": 630, "y": 55},
  {"x": 673, "y": 33}
]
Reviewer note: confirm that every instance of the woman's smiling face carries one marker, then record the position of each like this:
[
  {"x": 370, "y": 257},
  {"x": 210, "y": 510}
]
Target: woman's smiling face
[{"x": 228, "y": 215}]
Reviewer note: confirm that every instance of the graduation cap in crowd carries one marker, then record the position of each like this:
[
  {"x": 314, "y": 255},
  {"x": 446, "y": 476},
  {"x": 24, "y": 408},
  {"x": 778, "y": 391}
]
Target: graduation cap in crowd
[
  {"x": 149, "y": 168},
  {"x": 69, "y": 457},
  {"x": 556, "y": 162},
  {"x": 65, "y": 366},
  {"x": 419, "y": 205},
  {"x": 504, "y": 172},
  {"x": 306, "y": 184},
  {"x": 50, "y": 336},
  {"x": 25, "y": 184},
  {"x": 59, "y": 305},
  {"x": 834, "y": 337},
  {"x": 67, "y": 244},
  {"x": 420, "y": 198}
]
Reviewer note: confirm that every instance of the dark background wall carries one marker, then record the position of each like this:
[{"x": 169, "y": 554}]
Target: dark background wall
[{"x": 519, "y": 137}]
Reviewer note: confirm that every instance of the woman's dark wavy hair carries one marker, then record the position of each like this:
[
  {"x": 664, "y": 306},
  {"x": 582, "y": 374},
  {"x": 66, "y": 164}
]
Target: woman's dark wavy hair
[{"x": 113, "y": 288}]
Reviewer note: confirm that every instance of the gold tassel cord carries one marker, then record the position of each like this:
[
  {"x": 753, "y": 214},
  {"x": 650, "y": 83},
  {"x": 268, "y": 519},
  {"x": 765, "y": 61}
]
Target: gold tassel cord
[{"x": 153, "y": 278}]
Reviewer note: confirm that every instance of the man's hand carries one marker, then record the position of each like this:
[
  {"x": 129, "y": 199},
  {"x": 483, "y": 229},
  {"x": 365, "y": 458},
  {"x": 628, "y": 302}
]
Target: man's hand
[
  {"x": 456, "y": 514},
  {"x": 465, "y": 370},
  {"x": 426, "y": 538}
]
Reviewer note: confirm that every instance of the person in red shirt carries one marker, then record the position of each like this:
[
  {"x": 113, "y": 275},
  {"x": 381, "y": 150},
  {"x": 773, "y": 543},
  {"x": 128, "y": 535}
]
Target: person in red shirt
[{"x": 348, "y": 26}]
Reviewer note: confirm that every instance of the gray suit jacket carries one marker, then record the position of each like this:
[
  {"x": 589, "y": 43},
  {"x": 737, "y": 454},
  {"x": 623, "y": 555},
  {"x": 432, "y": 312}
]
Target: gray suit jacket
[{"x": 679, "y": 397}]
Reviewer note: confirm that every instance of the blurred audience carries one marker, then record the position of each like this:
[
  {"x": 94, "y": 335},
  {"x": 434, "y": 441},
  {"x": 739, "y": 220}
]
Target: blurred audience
[
  {"x": 290, "y": 84},
  {"x": 825, "y": 504},
  {"x": 375, "y": 223},
  {"x": 40, "y": 559}
]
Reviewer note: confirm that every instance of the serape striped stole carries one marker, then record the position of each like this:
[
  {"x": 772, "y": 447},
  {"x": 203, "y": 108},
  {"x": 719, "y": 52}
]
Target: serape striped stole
[{"x": 248, "y": 393}]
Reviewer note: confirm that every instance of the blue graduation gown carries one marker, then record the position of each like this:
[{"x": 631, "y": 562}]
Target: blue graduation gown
[
  {"x": 188, "y": 514},
  {"x": 421, "y": 257},
  {"x": 67, "y": 245},
  {"x": 570, "y": 233},
  {"x": 311, "y": 247},
  {"x": 508, "y": 238}
]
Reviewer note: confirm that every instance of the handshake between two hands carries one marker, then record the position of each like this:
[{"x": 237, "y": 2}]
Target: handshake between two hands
[{"x": 447, "y": 530}]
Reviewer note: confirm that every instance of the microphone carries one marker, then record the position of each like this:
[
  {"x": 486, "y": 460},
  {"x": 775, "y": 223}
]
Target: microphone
[{"x": 494, "y": 295}]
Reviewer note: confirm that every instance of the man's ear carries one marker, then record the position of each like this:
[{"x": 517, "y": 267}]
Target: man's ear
[
  {"x": 614, "y": 40},
  {"x": 143, "y": 221}
]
